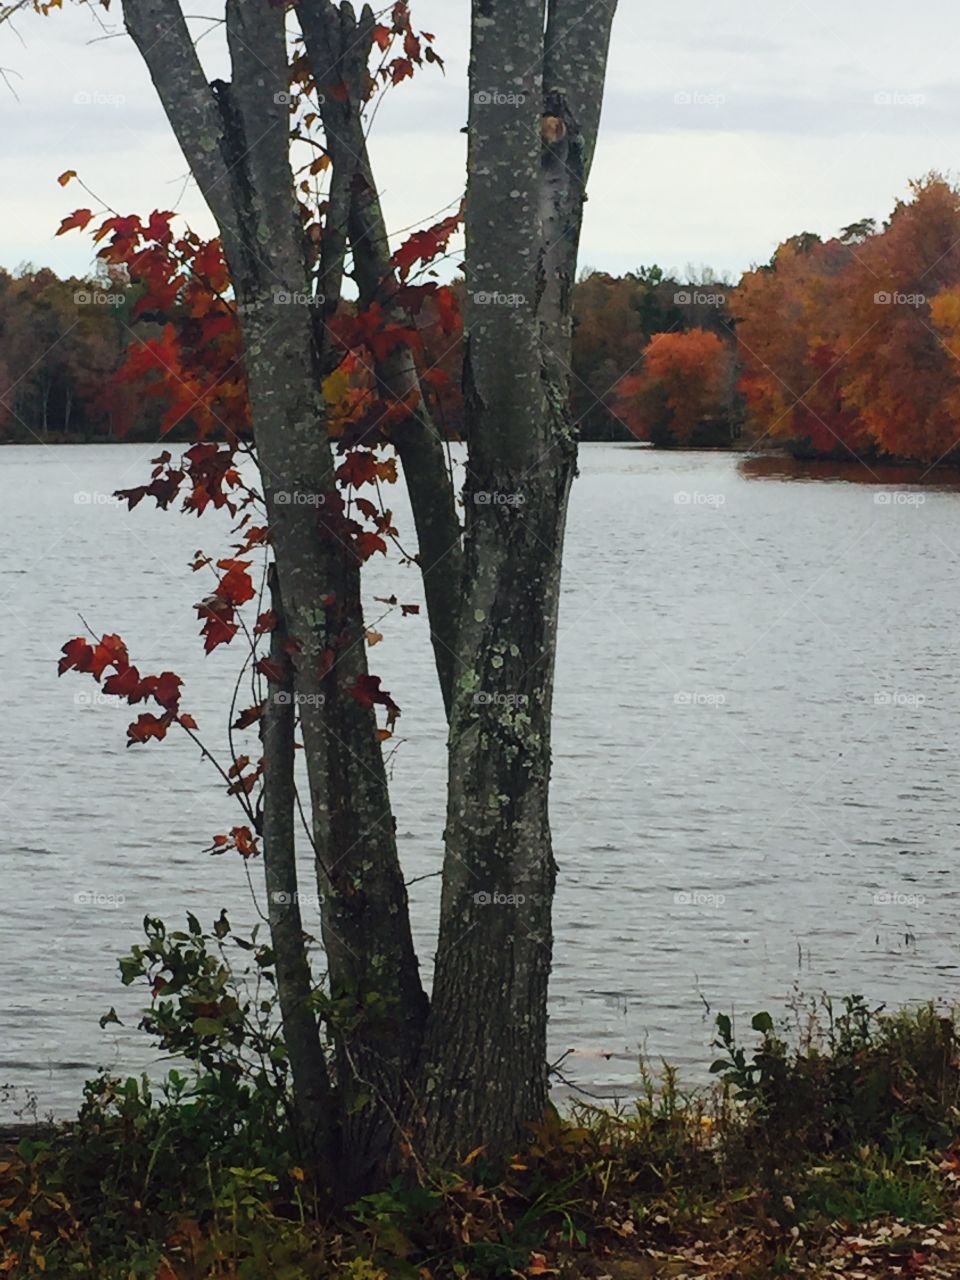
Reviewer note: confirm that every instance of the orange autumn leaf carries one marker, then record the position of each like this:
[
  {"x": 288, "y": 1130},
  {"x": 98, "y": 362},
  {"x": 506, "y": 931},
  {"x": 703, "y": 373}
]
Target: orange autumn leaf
[{"x": 76, "y": 221}]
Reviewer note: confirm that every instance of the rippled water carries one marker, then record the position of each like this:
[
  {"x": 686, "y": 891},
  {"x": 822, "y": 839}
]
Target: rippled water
[{"x": 756, "y": 787}]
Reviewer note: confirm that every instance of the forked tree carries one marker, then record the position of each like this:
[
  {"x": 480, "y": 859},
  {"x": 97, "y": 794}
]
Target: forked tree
[{"x": 392, "y": 1074}]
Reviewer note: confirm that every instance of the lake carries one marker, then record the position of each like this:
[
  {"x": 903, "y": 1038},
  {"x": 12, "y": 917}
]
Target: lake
[{"x": 756, "y": 787}]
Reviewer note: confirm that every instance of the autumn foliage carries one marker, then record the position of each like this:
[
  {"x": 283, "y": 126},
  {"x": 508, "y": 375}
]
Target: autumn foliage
[
  {"x": 61, "y": 344},
  {"x": 850, "y": 346},
  {"x": 684, "y": 384},
  {"x": 179, "y": 361},
  {"x": 843, "y": 347}
]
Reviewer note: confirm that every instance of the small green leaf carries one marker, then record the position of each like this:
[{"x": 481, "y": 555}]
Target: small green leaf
[{"x": 207, "y": 1027}]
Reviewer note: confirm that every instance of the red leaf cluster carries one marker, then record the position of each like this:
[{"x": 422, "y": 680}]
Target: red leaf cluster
[
  {"x": 417, "y": 46},
  {"x": 425, "y": 246},
  {"x": 127, "y": 683},
  {"x": 211, "y": 476},
  {"x": 195, "y": 366},
  {"x": 240, "y": 838},
  {"x": 218, "y": 611}
]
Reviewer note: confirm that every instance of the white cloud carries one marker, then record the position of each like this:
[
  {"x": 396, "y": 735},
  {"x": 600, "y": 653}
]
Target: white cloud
[{"x": 783, "y": 131}]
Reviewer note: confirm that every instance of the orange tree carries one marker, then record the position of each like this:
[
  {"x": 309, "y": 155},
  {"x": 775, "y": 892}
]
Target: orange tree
[
  {"x": 850, "y": 346},
  {"x": 684, "y": 387},
  {"x": 254, "y": 349}
]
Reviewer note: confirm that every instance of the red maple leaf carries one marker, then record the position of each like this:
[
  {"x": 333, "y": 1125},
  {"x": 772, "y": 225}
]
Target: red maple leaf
[
  {"x": 368, "y": 544},
  {"x": 359, "y": 467},
  {"x": 78, "y": 219},
  {"x": 147, "y": 727},
  {"x": 236, "y": 586},
  {"x": 368, "y": 693},
  {"x": 425, "y": 246},
  {"x": 218, "y": 626}
]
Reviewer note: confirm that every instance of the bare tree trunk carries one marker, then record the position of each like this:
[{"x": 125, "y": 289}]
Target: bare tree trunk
[
  {"x": 485, "y": 1071},
  {"x": 235, "y": 138},
  {"x": 312, "y": 1095},
  {"x": 477, "y": 1067},
  {"x": 331, "y": 38}
]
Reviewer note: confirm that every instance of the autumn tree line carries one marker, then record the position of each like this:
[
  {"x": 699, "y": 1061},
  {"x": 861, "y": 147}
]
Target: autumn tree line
[
  {"x": 834, "y": 348},
  {"x": 63, "y": 343}
]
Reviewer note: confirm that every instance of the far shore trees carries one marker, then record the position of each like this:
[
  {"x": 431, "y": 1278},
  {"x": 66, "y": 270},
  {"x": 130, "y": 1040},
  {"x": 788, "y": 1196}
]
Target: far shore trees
[
  {"x": 850, "y": 346},
  {"x": 685, "y": 391}
]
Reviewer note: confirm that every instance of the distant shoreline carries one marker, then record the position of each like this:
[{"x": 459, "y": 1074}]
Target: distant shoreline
[{"x": 776, "y": 461}]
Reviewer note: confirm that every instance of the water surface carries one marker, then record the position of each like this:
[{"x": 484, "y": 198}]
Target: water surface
[{"x": 756, "y": 781}]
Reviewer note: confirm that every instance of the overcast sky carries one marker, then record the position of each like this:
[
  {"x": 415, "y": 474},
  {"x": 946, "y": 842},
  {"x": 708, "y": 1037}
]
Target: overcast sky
[{"x": 728, "y": 126}]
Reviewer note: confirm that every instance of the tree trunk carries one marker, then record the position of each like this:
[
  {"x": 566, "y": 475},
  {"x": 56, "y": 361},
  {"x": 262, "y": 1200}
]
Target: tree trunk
[
  {"x": 313, "y": 1101},
  {"x": 332, "y": 41},
  {"x": 485, "y": 1073},
  {"x": 477, "y": 1066},
  {"x": 236, "y": 140}
]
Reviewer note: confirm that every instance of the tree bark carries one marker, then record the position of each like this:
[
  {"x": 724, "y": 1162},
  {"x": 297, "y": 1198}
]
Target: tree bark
[
  {"x": 313, "y": 1101},
  {"x": 485, "y": 1074},
  {"x": 477, "y": 1066},
  {"x": 331, "y": 39},
  {"x": 235, "y": 138}
]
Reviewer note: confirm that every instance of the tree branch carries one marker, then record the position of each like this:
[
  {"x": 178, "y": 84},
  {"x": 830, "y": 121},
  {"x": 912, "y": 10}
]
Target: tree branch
[
  {"x": 505, "y": 403},
  {"x": 159, "y": 30},
  {"x": 338, "y": 53},
  {"x": 575, "y": 64}
]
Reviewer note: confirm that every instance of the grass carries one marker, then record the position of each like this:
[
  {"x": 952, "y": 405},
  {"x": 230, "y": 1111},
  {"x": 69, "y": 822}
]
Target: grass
[
  {"x": 878, "y": 1187},
  {"x": 841, "y": 1137}
]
